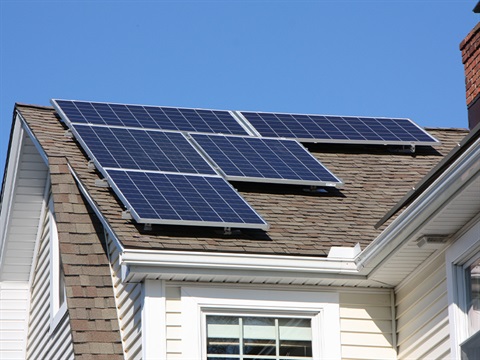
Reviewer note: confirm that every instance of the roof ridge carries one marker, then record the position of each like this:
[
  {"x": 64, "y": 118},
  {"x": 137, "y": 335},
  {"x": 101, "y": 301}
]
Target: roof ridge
[
  {"x": 445, "y": 128},
  {"x": 17, "y": 104}
]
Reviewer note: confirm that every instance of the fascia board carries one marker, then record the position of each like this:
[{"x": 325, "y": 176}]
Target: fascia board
[
  {"x": 419, "y": 212},
  {"x": 9, "y": 180}
]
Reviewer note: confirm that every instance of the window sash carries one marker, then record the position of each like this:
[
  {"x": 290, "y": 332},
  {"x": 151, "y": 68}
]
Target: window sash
[{"x": 248, "y": 337}]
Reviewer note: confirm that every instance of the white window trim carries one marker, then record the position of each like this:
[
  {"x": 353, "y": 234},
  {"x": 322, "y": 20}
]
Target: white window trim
[
  {"x": 322, "y": 307},
  {"x": 457, "y": 257},
  {"x": 57, "y": 310},
  {"x": 153, "y": 320}
]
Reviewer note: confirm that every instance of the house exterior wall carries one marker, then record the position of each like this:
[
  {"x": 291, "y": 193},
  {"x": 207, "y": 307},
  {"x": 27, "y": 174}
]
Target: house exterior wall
[
  {"x": 44, "y": 341},
  {"x": 366, "y": 326},
  {"x": 422, "y": 313},
  {"x": 128, "y": 300},
  {"x": 13, "y": 319}
]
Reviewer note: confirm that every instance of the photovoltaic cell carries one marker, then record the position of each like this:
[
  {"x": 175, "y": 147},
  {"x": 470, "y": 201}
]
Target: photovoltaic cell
[
  {"x": 339, "y": 129},
  {"x": 265, "y": 160},
  {"x": 183, "y": 199},
  {"x": 141, "y": 149},
  {"x": 149, "y": 117}
]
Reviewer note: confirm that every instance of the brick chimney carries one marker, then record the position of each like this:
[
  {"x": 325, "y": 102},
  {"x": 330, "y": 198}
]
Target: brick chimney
[{"x": 470, "y": 48}]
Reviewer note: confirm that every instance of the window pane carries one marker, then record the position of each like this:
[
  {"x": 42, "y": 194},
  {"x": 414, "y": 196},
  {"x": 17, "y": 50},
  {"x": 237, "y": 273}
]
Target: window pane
[
  {"x": 258, "y": 328},
  {"x": 223, "y": 335},
  {"x": 295, "y": 337},
  {"x": 259, "y": 336},
  {"x": 259, "y": 347},
  {"x": 254, "y": 336},
  {"x": 473, "y": 281},
  {"x": 295, "y": 329}
]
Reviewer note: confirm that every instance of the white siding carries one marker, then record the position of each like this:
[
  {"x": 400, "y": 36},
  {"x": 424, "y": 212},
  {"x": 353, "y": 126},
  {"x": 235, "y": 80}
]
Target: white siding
[
  {"x": 128, "y": 300},
  {"x": 366, "y": 325},
  {"x": 43, "y": 343},
  {"x": 173, "y": 322},
  {"x": 365, "y": 320},
  {"x": 13, "y": 319},
  {"x": 422, "y": 315}
]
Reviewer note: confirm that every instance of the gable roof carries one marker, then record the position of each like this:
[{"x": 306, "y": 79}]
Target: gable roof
[{"x": 302, "y": 222}]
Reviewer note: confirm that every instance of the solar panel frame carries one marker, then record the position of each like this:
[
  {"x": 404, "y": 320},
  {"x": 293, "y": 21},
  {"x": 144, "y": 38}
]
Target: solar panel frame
[
  {"x": 150, "y": 117},
  {"x": 141, "y": 149},
  {"x": 338, "y": 129},
  {"x": 269, "y": 160},
  {"x": 198, "y": 200}
]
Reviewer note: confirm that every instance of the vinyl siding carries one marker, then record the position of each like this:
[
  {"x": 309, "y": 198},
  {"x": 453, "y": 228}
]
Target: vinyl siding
[
  {"x": 422, "y": 314},
  {"x": 13, "y": 319},
  {"x": 365, "y": 321},
  {"x": 128, "y": 301},
  {"x": 366, "y": 325},
  {"x": 44, "y": 342},
  {"x": 173, "y": 322}
]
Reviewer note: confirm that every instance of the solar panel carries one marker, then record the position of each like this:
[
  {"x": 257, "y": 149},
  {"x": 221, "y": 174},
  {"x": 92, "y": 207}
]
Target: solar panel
[
  {"x": 339, "y": 129},
  {"x": 141, "y": 149},
  {"x": 149, "y": 117},
  {"x": 265, "y": 160},
  {"x": 183, "y": 199}
]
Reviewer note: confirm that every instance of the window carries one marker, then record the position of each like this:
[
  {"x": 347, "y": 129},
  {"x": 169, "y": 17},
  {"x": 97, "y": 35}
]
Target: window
[
  {"x": 247, "y": 323},
  {"x": 246, "y": 337},
  {"x": 463, "y": 282},
  {"x": 58, "y": 306},
  {"x": 472, "y": 273}
]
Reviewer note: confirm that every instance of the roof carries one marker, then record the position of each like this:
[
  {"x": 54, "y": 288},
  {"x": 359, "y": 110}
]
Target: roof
[
  {"x": 302, "y": 222},
  {"x": 90, "y": 298},
  {"x": 433, "y": 174}
]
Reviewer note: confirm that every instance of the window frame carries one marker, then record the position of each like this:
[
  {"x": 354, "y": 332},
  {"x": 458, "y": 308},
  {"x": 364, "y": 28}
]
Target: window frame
[
  {"x": 459, "y": 256},
  {"x": 58, "y": 309},
  {"x": 321, "y": 307},
  {"x": 312, "y": 316}
]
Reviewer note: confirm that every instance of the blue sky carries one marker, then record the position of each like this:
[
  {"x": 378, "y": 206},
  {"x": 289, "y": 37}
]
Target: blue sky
[{"x": 373, "y": 58}]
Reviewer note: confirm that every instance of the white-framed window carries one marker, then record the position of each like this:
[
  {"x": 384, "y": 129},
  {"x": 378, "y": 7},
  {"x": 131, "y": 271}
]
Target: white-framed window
[
  {"x": 58, "y": 305},
  {"x": 248, "y": 336},
  {"x": 242, "y": 323},
  {"x": 463, "y": 283}
]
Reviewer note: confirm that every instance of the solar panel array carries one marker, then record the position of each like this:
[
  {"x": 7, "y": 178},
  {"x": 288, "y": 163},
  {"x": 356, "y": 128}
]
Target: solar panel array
[
  {"x": 170, "y": 165},
  {"x": 266, "y": 160},
  {"x": 339, "y": 129}
]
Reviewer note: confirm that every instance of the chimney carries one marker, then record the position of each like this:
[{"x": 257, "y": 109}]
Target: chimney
[{"x": 470, "y": 48}]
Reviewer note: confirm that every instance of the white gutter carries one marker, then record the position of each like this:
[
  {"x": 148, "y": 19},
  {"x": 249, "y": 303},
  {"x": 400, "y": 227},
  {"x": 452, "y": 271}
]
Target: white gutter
[
  {"x": 202, "y": 263},
  {"x": 458, "y": 175}
]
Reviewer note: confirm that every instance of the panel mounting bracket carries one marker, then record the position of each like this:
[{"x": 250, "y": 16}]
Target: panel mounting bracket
[
  {"x": 68, "y": 133},
  {"x": 147, "y": 227},
  {"x": 91, "y": 165}
]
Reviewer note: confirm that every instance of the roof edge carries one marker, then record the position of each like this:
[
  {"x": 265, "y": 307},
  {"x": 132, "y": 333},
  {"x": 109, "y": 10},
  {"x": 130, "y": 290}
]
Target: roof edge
[
  {"x": 432, "y": 175},
  {"x": 454, "y": 175}
]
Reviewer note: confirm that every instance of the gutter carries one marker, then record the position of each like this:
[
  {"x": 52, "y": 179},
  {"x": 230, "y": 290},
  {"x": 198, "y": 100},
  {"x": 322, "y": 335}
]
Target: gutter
[{"x": 146, "y": 262}]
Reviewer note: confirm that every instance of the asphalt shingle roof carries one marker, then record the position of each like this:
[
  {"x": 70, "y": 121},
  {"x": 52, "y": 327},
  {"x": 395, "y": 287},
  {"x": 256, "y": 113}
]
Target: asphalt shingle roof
[{"x": 302, "y": 222}]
